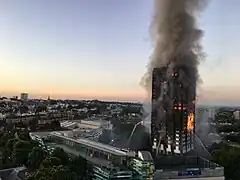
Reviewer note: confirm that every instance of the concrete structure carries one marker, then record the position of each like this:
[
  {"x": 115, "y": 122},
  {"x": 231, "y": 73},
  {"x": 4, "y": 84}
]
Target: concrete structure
[
  {"x": 185, "y": 167},
  {"x": 173, "y": 121},
  {"x": 24, "y": 96},
  {"x": 206, "y": 174}
]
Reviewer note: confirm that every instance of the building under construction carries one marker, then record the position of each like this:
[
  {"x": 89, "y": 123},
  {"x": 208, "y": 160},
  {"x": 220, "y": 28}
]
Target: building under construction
[{"x": 173, "y": 111}]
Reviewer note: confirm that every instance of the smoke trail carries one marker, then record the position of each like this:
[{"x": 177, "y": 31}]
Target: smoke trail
[{"x": 176, "y": 37}]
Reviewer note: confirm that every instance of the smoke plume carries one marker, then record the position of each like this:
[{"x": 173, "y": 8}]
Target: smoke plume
[{"x": 176, "y": 38}]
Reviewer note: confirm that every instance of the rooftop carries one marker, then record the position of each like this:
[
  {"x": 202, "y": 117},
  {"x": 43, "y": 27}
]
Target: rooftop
[
  {"x": 94, "y": 144},
  {"x": 74, "y": 152}
]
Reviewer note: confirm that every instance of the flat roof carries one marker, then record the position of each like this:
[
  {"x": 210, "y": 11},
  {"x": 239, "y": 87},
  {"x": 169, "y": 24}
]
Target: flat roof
[
  {"x": 41, "y": 133},
  {"x": 70, "y": 124},
  {"x": 65, "y": 123},
  {"x": 77, "y": 153},
  {"x": 94, "y": 144}
]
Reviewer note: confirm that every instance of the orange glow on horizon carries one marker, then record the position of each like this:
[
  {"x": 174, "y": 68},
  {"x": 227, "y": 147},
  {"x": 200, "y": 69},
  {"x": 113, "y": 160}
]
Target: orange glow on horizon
[
  {"x": 65, "y": 93},
  {"x": 57, "y": 91}
]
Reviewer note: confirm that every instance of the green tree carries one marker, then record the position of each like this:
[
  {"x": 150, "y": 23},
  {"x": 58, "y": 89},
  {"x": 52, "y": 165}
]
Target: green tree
[
  {"x": 79, "y": 166},
  {"x": 229, "y": 158},
  {"x": 4, "y": 137},
  {"x": 7, "y": 155},
  {"x": 24, "y": 135},
  {"x": 61, "y": 154},
  {"x": 35, "y": 158},
  {"x": 50, "y": 161},
  {"x": 63, "y": 173},
  {"x": 20, "y": 151},
  {"x": 55, "y": 125},
  {"x": 53, "y": 173}
]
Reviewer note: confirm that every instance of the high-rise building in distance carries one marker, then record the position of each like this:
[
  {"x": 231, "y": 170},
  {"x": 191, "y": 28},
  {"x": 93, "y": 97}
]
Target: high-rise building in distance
[
  {"x": 24, "y": 96},
  {"x": 173, "y": 111}
]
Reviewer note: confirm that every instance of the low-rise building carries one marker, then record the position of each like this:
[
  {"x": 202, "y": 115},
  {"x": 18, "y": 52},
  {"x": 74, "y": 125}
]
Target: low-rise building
[{"x": 109, "y": 163}]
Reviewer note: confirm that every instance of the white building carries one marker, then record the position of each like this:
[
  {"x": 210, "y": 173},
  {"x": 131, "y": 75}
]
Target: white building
[
  {"x": 68, "y": 124},
  {"x": 211, "y": 114},
  {"x": 236, "y": 115},
  {"x": 95, "y": 124}
]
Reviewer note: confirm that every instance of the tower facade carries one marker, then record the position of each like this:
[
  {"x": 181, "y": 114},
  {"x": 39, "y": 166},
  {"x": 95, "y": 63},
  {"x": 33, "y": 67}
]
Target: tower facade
[
  {"x": 24, "y": 96},
  {"x": 173, "y": 111}
]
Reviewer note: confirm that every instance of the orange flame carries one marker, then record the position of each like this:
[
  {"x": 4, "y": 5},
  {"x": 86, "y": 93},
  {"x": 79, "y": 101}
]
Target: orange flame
[{"x": 190, "y": 122}]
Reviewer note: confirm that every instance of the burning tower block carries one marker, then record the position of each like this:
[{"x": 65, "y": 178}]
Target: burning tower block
[{"x": 173, "y": 111}]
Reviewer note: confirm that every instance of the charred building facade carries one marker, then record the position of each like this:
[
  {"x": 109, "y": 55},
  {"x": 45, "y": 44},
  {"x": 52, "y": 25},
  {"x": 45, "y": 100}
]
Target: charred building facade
[{"x": 173, "y": 111}]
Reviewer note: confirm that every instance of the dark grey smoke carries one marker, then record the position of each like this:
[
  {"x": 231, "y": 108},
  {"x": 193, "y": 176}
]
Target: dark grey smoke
[{"x": 177, "y": 38}]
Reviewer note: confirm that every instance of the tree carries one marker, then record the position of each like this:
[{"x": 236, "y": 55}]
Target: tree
[
  {"x": 24, "y": 135},
  {"x": 50, "y": 161},
  {"x": 53, "y": 173},
  {"x": 63, "y": 173},
  {"x": 23, "y": 109},
  {"x": 7, "y": 155},
  {"x": 20, "y": 152},
  {"x": 4, "y": 137},
  {"x": 35, "y": 158},
  {"x": 61, "y": 154},
  {"x": 229, "y": 158},
  {"x": 81, "y": 105},
  {"x": 79, "y": 166},
  {"x": 53, "y": 102},
  {"x": 233, "y": 138},
  {"x": 130, "y": 109},
  {"x": 33, "y": 124},
  {"x": 55, "y": 125},
  {"x": 69, "y": 107}
]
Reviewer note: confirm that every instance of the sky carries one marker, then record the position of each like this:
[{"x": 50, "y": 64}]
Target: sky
[{"x": 95, "y": 49}]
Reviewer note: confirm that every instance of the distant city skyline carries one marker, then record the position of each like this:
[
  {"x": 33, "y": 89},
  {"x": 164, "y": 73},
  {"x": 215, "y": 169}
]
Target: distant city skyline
[{"x": 99, "y": 50}]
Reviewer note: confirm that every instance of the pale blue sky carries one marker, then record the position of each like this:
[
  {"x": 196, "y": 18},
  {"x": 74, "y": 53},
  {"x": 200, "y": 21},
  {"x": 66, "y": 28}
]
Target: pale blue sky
[{"x": 68, "y": 46}]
